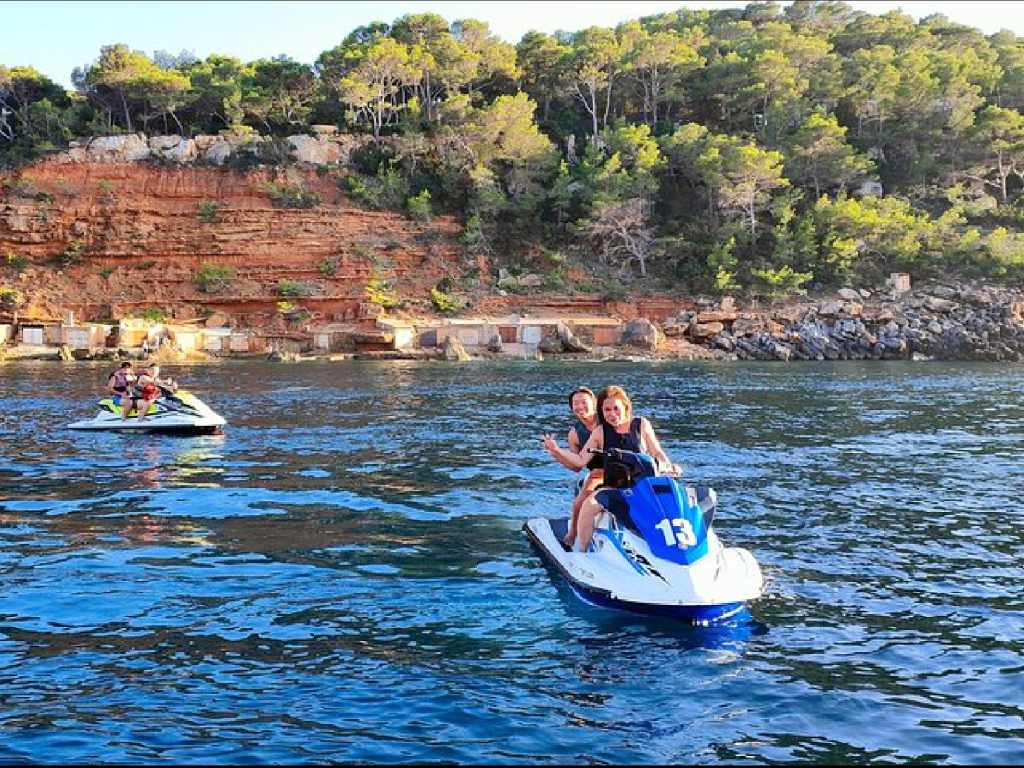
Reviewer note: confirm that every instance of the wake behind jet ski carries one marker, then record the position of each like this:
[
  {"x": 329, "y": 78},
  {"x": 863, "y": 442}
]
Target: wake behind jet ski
[
  {"x": 654, "y": 552},
  {"x": 179, "y": 412}
]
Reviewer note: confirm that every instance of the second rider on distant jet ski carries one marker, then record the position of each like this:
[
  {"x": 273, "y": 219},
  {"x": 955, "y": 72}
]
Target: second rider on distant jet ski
[{"x": 151, "y": 387}]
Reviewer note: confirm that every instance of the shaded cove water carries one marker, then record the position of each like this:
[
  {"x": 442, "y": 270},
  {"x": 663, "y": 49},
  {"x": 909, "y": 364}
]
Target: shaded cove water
[{"x": 342, "y": 575}]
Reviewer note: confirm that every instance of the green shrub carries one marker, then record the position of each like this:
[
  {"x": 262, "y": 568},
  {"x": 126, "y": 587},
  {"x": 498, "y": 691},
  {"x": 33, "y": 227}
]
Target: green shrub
[
  {"x": 26, "y": 187},
  {"x": 613, "y": 290},
  {"x": 1006, "y": 254},
  {"x": 108, "y": 188},
  {"x": 556, "y": 279},
  {"x": 71, "y": 256},
  {"x": 512, "y": 285},
  {"x": 291, "y": 195},
  {"x": 443, "y": 303},
  {"x": 243, "y": 160},
  {"x": 382, "y": 292},
  {"x": 370, "y": 158},
  {"x": 11, "y": 298},
  {"x": 211, "y": 278},
  {"x": 722, "y": 263},
  {"x": 208, "y": 210},
  {"x": 293, "y": 288},
  {"x": 419, "y": 206},
  {"x": 472, "y": 235},
  {"x": 327, "y": 266},
  {"x": 388, "y": 191},
  {"x": 15, "y": 262},
  {"x": 293, "y": 313},
  {"x": 780, "y": 282}
]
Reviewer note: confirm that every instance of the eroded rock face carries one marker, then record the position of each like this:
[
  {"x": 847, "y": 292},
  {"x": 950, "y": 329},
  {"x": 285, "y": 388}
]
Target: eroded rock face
[{"x": 109, "y": 238}]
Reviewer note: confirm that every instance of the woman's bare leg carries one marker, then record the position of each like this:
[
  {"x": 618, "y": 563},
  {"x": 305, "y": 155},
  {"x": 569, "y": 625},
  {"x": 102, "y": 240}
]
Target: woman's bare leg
[
  {"x": 574, "y": 516},
  {"x": 590, "y": 484},
  {"x": 589, "y": 511}
]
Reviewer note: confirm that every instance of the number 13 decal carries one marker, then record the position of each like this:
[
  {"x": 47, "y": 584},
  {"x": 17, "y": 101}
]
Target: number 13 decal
[{"x": 683, "y": 535}]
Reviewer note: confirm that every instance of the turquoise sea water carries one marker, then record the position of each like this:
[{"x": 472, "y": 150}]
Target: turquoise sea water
[{"x": 342, "y": 576}]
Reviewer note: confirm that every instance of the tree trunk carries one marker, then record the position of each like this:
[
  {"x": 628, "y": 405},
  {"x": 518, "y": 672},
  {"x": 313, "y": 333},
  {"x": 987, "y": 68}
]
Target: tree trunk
[{"x": 127, "y": 114}]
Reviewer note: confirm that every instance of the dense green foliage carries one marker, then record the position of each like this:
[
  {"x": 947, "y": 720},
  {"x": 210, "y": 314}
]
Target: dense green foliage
[{"x": 760, "y": 148}]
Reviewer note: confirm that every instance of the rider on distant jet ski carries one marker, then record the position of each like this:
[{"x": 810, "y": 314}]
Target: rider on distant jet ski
[{"x": 121, "y": 385}]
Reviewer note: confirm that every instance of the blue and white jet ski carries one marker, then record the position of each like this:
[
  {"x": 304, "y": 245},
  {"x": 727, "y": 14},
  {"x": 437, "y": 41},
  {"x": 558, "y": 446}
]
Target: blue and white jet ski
[
  {"x": 654, "y": 552},
  {"x": 178, "y": 412}
]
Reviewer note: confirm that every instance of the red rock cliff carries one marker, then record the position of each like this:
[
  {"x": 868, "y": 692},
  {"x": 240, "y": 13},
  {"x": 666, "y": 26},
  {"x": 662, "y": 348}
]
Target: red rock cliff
[
  {"x": 113, "y": 239},
  {"x": 107, "y": 240}
]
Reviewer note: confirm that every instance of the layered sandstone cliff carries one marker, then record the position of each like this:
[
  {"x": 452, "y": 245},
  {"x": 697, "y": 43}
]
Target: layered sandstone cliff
[{"x": 111, "y": 239}]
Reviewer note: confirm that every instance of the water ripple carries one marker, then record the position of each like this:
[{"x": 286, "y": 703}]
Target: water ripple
[{"x": 341, "y": 576}]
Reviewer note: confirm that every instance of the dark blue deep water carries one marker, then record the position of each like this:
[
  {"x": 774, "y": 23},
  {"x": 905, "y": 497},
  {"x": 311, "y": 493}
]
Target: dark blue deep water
[{"x": 342, "y": 576}]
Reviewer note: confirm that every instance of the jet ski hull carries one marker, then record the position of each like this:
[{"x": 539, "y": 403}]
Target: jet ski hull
[
  {"x": 646, "y": 586},
  {"x": 182, "y": 413},
  {"x": 194, "y": 427}
]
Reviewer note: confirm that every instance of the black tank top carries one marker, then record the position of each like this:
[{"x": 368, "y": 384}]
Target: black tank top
[
  {"x": 617, "y": 474},
  {"x": 627, "y": 442},
  {"x": 583, "y": 434}
]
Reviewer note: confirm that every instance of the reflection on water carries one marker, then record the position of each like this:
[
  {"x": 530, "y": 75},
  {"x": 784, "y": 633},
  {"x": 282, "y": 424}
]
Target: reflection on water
[{"x": 342, "y": 575}]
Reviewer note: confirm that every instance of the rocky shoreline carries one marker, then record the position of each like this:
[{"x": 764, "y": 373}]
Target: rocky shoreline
[
  {"x": 932, "y": 322},
  {"x": 935, "y": 321},
  {"x": 973, "y": 322}
]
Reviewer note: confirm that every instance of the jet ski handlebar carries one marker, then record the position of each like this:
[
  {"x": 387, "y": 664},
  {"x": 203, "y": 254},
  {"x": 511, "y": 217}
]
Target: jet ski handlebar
[{"x": 636, "y": 464}]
